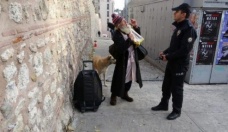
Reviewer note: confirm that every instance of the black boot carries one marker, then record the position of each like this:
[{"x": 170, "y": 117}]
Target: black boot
[
  {"x": 113, "y": 100},
  {"x": 127, "y": 98},
  {"x": 163, "y": 105},
  {"x": 173, "y": 115}
]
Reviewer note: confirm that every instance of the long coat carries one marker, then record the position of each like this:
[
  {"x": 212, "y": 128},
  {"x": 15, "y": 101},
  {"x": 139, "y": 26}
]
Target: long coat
[{"x": 118, "y": 80}]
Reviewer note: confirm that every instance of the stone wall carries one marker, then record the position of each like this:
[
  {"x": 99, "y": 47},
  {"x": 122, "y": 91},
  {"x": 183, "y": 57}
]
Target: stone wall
[{"x": 42, "y": 44}]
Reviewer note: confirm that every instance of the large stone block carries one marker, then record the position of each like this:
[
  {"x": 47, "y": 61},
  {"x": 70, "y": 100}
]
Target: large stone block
[
  {"x": 5, "y": 56},
  {"x": 23, "y": 77},
  {"x": 48, "y": 104},
  {"x": 38, "y": 64},
  {"x": 47, "y": 56},
  {"x": 15, "y": 12},
  {"x": 9, "y": 72},
  {"x": 11, "y": 92},
  {"x": 21, "y": 56},
  {"x": 20, "y": 106},
  {"x": 19, "y": 124},
  {"x": 53, "y": 86}
]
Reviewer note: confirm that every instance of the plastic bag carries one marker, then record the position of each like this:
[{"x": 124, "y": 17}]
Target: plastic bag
[{"x": 138, "y": 39}]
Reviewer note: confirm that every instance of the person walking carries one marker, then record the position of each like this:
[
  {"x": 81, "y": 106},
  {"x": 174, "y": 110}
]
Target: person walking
[
  {"x": 111, "y": 28},
  {"x": 99, "y": 33},
  {"x": 127, "y": 65},
  {"x": 177, "y": 55}
]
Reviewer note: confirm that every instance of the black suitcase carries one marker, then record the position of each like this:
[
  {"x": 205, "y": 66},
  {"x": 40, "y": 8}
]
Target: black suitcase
[{"x": 88, "y": 89}]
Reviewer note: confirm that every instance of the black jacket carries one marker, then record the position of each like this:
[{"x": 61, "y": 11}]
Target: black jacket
[
  {"x": 118, "y": 80},
  {"x": 181, "y": 43}
]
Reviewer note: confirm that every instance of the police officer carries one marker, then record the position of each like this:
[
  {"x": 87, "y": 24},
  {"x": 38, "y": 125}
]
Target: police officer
[{"x": 177, "y": 55}]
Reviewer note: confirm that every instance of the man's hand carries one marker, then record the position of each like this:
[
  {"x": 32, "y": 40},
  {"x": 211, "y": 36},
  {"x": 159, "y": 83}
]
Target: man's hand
[
  {"x": 160, "y": 54},
  {"x": 134, "y": 23},
  {"x": 164, "y": 57},
  {"x": 130, "y": 35}
]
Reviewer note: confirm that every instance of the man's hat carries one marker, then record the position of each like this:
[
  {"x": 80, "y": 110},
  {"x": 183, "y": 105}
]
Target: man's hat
[
  {"x": 183, "y": 7},
  {"x": 116, "y": 19}
]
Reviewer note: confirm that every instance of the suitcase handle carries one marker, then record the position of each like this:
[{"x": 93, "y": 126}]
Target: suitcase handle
[{"x": 87, "y": 62}]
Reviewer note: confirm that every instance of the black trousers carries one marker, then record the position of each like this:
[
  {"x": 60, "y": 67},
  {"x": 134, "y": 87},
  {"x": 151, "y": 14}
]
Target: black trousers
[
  {"x": 173, "y": 84},
  {"x": 128, "y": 86}
]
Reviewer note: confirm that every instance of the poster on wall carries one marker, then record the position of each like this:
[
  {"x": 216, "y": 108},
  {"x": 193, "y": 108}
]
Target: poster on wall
[
  {"x": 210, "y": 25},
  {"x": 206, "y": 53},
  {"x": 195, "y": 20},
  {"x": 222, "y": 55},
  {"x": 208, "y": 37}
]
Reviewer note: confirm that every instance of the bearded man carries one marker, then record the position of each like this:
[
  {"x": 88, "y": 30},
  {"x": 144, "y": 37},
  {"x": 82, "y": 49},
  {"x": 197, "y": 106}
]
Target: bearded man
[{"x": 127, "y": 66}]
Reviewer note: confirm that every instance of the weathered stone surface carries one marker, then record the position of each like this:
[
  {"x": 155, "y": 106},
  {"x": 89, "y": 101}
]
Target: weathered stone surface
[
  {"x": 21, "y": 56},
  {"x": 7, "y": 54},
  {"x": 53, "y": 69},
  {"x": 33, "y": 47},
  {"x": 11, "y": 92},
  {"x": 53, "y": 86},
  {"x": 19, "y": 124},
  {"x": 47, "y": 104},
  {"x": 9, "y": 72},
  {"x": 0, "y": 10},
  {"x": 22, "y": 46},
  {"x": 21, "y": 104},
  {"x": 40, "y": 43},
  {"x": 60, "y": 93},
  {"x": 47, "y": 56},
  {"x": 26, "y": 12},
  {"x": 23, "y": 77},
  {"x": 43, "y": 9},
  {"x": 52, "y": 41},
  {"x": 32, "y": 115},
  {"x": 37, "y": 13},
  {"x": 38, "y": 64},
  {"x": 26, "y": 129},
  {"x": 41, "y": 104},
  {"x": 31, "y": 59},
  {"x": 35, "y": 129},
  {"x": 33, "y": 77},
  {"x": 33, "y": 93},
  {"x": 27, "y": 36},
  {"x": 11, "y": 127},
  {"x": 39, "y": 117},
  {"x": 6, "y": 109},
  {"x": 15, "y": 12}
]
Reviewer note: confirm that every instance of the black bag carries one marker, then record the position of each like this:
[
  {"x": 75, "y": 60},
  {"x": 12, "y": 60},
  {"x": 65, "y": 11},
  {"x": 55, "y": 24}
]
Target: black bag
[
  {"x": 113, "y": 50},
  {"x": 142, "y": 52},
  {"x": 88, "y": 89}
]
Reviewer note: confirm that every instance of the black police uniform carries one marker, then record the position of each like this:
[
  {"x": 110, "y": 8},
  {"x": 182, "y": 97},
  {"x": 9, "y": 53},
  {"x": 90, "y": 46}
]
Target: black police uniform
[{"x": 178, "y": 55}]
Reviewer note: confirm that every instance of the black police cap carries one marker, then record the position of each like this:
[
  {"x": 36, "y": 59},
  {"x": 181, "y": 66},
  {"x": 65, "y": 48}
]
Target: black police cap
[{"x": 183, "y": 7}]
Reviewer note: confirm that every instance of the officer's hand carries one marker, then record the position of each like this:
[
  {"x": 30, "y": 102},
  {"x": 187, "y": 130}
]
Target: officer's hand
[{"x": 164, "y": 57}]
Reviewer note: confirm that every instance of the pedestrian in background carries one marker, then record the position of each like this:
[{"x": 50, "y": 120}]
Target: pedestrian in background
[
  {"x": 111, "y": 28},
  {"x": 127, "y": 65},
  {"x": 99, "y": 33},
  {"x": 177, "y": 55}
]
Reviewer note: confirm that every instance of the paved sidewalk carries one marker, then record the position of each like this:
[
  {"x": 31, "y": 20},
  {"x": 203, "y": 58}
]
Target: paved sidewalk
[{"x": 204, "y": 108}]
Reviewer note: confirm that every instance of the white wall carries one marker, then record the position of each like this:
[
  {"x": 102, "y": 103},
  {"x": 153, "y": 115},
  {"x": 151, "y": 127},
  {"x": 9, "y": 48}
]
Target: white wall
[{"x": 104, "y": 17}]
